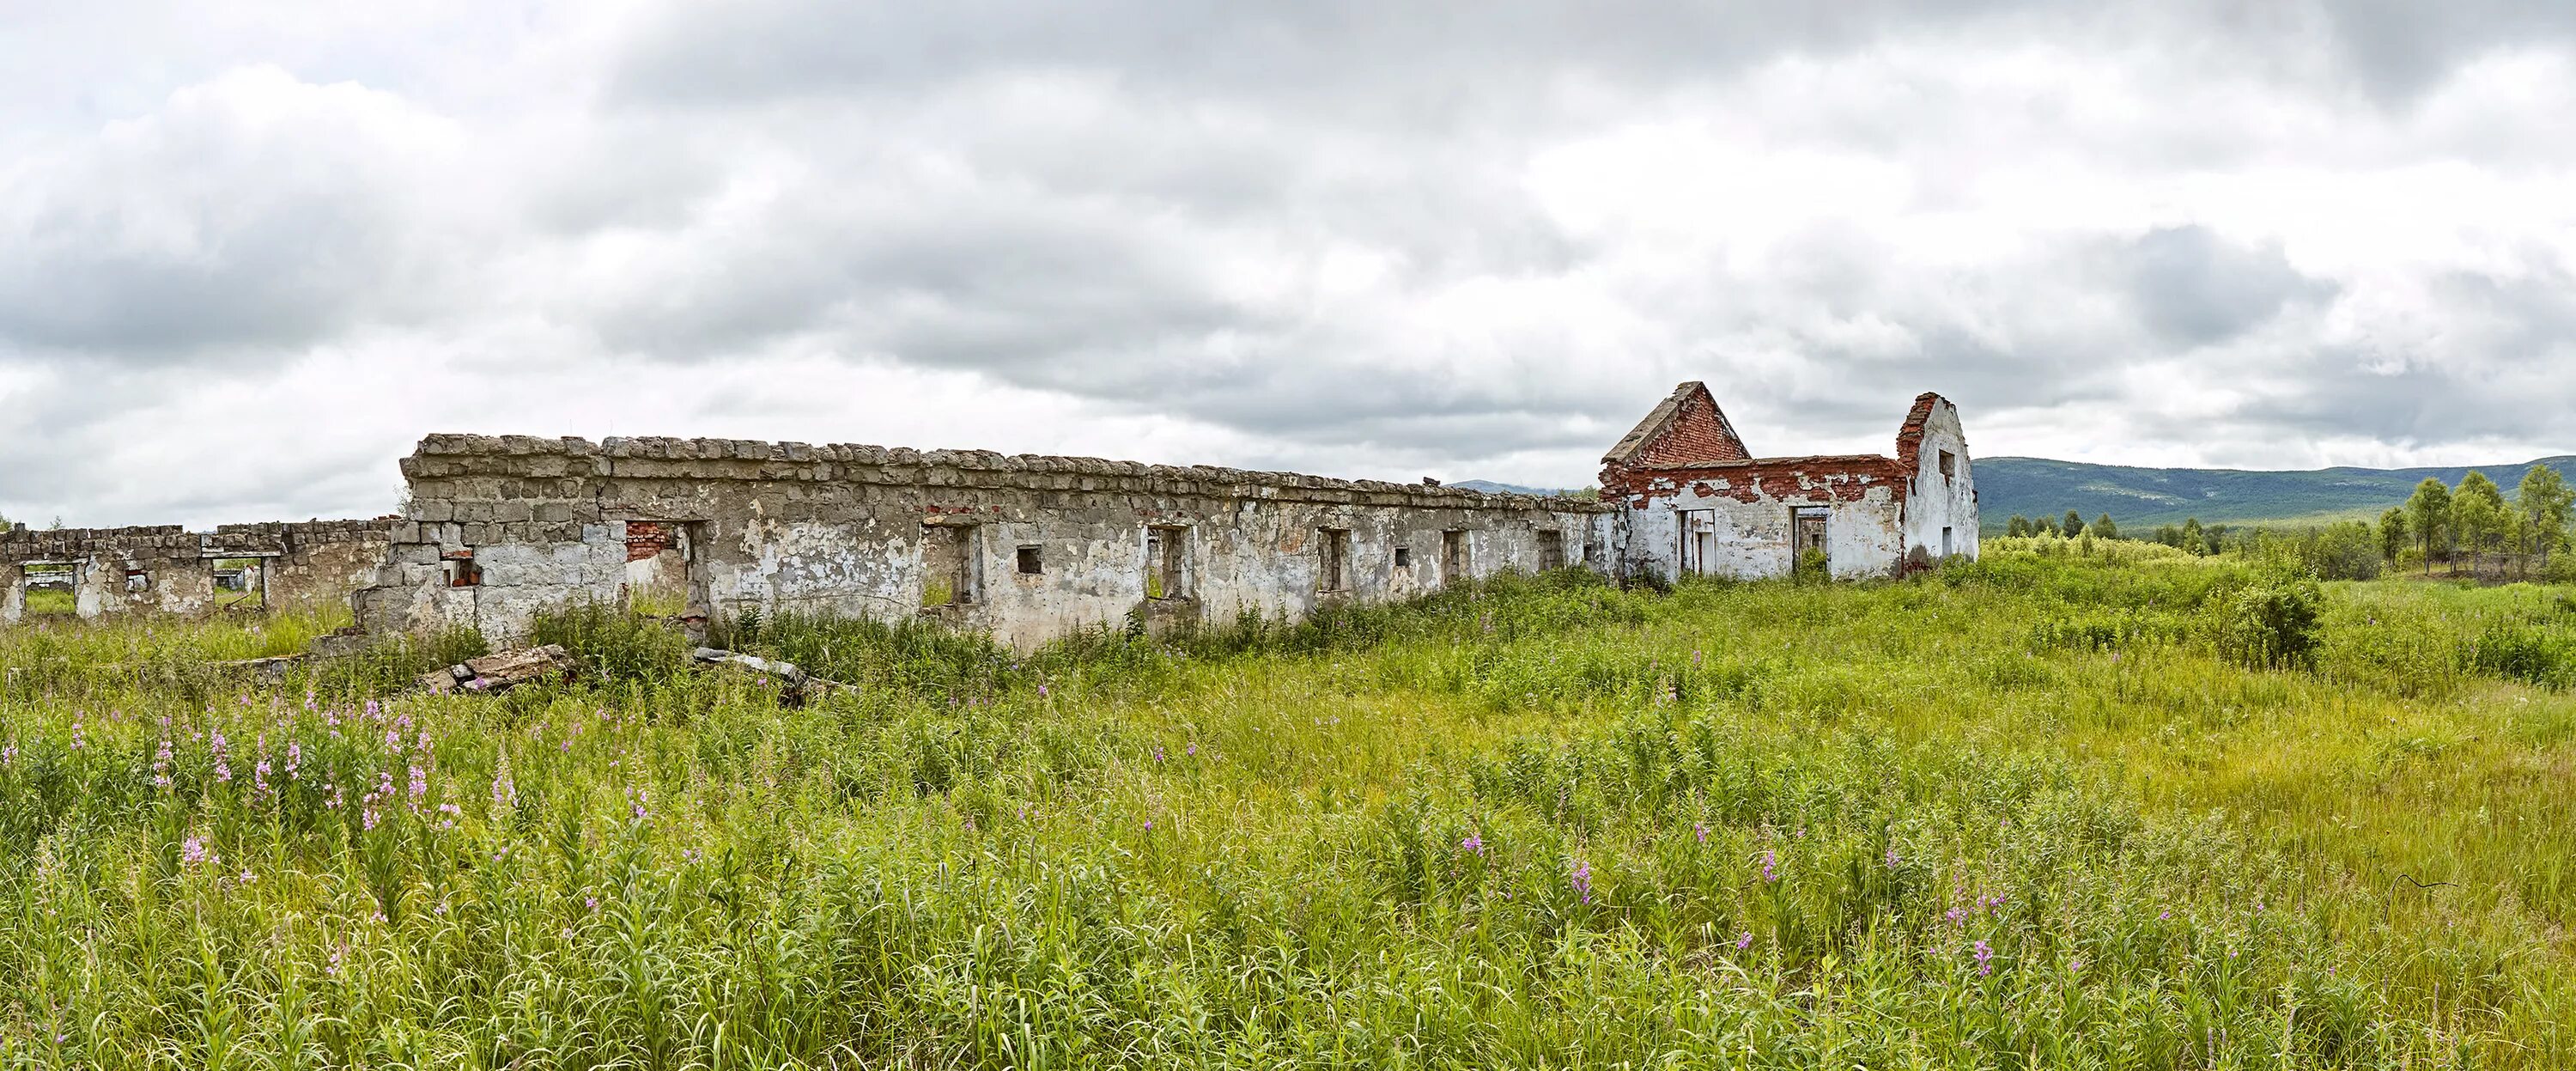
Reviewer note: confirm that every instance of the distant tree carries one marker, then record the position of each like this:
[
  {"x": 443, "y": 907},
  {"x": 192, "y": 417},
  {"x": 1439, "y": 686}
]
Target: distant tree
[
  {"x": 2103, "y": 527},
  {"x": 2169, "y": 535},
  {"x": 2072, "y": 526},
  {"x": 2547, "y": 505},
  {"x": 2477, "y": 507},
  {"x": 2214, "y": 537},
  {"x": 2017, "y": 527},
  {"x": 2191, "y": 538},
  {"x": 2429, "y": 512},
  {"x": 2392, "y": 533},
  {"x": 2041, "y": 526}
]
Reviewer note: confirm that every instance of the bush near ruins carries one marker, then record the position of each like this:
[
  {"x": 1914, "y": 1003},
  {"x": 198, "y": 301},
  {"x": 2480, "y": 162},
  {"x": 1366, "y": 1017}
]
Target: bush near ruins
[{"x": 2131, "y": 807}]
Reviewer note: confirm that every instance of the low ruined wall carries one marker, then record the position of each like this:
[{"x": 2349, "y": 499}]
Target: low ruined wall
[
  {"x": 166, "y": 569},
  {"x": 317, "y": 563},
  {"x": 1027, "y": 548}
]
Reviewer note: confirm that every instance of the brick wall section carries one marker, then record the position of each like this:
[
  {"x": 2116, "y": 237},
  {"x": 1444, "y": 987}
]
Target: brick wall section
[
  {"x": 646, "y": 540},
  {"x": 1909, "y": 436},
  {"x": 1698, "y": 434}
]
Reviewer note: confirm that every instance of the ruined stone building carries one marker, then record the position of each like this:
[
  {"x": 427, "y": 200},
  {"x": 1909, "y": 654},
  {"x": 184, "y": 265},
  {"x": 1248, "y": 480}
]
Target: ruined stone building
[
  {"x": 1026, "y": 548},
  {"x": 1697, "y": 502},
  {"x": 164, "y": 569}
]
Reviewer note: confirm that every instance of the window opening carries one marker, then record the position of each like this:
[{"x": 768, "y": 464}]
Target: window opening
[
  {"x": 1945, "y": 541},
  {"x": 137, "y": 581},
  {"x": 1336, "y": 544},
  {"x": 241, "y": 582},
  {"x": 1809, "y": 522},
  {"x": 1949, "y": 465},
  {"x": 1166, "y": 562},
  {"x": 1453, "y": 555},
  {"x": 657, "y": 567},
  {"x": 1551, "y": 550},
  {"x": 52, "y": 588},
  {"x": 1031, "y": 562},
  {"x": 947, "y": 565},
  {"x": 460, "y": 568},
  {"x": 1404, "y": 557}
]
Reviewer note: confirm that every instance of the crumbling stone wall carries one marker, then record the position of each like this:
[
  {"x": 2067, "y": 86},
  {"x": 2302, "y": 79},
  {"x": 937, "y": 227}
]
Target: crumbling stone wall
[
  {"x": 312, "y": 563},
  {"x": 1028, "y": 548},
  {"x": 167, "y": 569}
]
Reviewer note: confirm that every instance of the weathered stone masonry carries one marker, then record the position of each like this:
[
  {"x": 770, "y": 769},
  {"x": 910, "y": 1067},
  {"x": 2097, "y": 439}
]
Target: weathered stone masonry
[
  {"x": 1025, "y": 547},
  {"x": 167, "y": 569}
]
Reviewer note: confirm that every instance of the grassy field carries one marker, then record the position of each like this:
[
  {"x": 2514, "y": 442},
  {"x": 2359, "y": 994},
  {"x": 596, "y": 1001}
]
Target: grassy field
[{"x": 2044, "y": 811}]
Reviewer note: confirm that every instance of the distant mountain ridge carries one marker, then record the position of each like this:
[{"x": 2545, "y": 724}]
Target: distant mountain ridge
[
  {"x": 2145, "y": 497},
  {"x": 1492, "y": 488}
]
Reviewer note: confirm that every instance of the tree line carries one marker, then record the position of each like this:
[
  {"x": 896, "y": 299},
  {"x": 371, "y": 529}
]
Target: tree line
[{"x": 2474, "y": 525}]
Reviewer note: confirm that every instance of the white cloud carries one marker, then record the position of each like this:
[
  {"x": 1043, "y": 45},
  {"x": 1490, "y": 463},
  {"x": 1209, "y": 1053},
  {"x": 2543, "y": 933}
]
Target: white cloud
[{"x": 1450, "y": 240}]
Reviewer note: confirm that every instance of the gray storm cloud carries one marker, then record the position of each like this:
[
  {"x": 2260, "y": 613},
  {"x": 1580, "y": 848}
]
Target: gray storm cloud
[{"x": 1460, "y": 238}]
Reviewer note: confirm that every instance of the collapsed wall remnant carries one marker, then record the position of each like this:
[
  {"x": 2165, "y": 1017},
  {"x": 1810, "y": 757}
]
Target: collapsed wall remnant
[
  {"x": 1027, "y": 548},
  {"x": 1699, "y": 503},
  {"x": 107, "y": 572}
]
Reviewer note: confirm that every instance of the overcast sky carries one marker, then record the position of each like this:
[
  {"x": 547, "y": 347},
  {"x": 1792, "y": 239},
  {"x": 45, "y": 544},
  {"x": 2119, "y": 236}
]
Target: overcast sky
[{"x": 251, "y": 251}]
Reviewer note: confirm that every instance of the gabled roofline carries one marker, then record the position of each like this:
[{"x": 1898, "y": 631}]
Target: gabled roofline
[{"x": 1660, "y": 420}]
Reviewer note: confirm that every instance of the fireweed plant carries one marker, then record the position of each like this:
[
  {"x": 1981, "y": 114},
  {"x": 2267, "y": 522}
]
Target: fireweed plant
[{"x": 2042, "y": 811}]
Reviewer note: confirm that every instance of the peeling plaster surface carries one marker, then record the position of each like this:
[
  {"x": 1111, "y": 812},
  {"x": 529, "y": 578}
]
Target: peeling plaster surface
[{"x": 858, "y": 531}]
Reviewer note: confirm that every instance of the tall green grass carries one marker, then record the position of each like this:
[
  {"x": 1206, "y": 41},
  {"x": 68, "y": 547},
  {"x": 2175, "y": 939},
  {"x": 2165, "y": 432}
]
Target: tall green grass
[{"x": 2039, "y": 811}]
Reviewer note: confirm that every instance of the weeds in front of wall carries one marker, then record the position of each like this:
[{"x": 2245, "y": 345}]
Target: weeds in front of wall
[{"x": 2036, "y": 810}]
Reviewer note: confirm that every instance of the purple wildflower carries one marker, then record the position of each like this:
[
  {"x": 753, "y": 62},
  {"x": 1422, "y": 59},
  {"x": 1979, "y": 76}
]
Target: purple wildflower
[
  {"x": 1985, "y": 959},
  {"x": 1581, "y": 879},
  {"x": 1744, "y": 942},
  {"x": 1769, "y": 861},
  {"x": 1700, "y": 829},
  {"x": 1473, "y": 843},
  {"x": 1891, "y": 859}
]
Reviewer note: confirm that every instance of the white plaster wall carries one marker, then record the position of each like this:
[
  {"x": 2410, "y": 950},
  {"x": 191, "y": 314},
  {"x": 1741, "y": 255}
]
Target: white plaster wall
[
  {"x": 1240, "y": 555},
  {"x": 1755, "y": 540},
  {"x": 1935, "y": 502}
]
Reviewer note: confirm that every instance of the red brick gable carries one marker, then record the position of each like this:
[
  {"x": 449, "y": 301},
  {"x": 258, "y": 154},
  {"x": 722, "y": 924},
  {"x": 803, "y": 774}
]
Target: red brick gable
[{"x": 1687, "y": 427}]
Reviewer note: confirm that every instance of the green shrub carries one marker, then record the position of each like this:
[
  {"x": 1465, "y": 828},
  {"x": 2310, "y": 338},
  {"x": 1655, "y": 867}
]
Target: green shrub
[
  {"x": 2528, "y": 653},
  {"x": 613, "y": 645},
  {"x": 2274, "y": 623}
]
